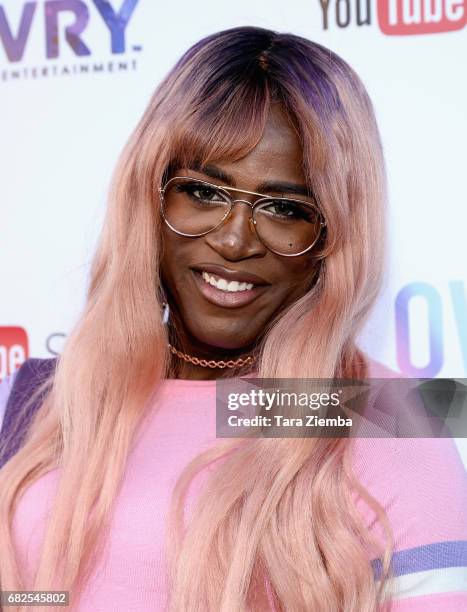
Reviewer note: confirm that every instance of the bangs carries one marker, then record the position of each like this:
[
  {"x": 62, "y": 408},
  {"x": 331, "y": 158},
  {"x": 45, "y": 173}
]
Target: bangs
[{"x": 223, "y": 126}]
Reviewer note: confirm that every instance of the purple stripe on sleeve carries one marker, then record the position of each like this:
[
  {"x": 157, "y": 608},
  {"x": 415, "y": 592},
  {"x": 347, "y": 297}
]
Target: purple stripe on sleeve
[{"x": 428, "y": 557}]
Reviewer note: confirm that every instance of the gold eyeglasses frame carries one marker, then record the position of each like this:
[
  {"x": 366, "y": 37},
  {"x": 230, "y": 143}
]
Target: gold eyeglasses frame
[{"x": 252, "y": 205}]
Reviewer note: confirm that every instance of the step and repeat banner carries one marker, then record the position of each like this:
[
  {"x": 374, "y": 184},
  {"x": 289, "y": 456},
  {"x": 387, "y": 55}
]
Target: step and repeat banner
[{"x": 76, "y": 75}]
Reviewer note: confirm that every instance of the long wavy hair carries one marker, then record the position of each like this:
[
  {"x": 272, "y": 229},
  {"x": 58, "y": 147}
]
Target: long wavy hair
[{"x": 286, "y": 526}]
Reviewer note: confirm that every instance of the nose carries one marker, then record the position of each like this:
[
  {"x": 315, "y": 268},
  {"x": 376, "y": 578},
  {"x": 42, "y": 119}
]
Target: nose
[{"x": 236, "y": 237}]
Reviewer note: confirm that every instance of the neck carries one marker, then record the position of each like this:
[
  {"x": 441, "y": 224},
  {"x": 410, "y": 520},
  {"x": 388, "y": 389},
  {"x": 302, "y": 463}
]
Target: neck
[{"x": 182, "y": 366}]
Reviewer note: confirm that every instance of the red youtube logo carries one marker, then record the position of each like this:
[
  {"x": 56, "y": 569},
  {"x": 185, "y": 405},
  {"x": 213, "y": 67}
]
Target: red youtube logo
[
  {"x": 407, "y": 17},
  {"x": 14, "y": 349}
]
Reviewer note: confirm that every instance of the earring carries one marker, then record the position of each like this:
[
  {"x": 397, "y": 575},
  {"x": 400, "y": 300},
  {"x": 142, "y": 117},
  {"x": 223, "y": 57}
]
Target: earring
[{"x": 166, "y": 313}]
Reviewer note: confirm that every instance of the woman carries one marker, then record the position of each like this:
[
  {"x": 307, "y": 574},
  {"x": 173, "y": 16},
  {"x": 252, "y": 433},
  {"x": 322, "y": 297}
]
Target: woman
[{"x": 244, "y": 236}]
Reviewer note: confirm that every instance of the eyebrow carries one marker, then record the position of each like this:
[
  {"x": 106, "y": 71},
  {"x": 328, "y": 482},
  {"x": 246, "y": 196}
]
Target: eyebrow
[{"x": 217, "y": 173}]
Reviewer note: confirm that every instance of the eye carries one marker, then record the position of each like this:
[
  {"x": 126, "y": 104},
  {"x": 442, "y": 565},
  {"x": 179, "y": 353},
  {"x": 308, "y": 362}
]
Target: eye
[
  {"x": 202, "y": 193},
  {"x": 289, "y": 210},
  {"x": 283, "y": 208}
]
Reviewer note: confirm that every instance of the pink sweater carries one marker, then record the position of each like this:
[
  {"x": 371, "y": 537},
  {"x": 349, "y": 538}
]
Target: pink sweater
[{"x": 421, "y": 483}]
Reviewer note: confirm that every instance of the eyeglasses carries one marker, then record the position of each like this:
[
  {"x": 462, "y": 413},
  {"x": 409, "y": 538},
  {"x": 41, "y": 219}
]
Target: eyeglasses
[{"x": 192, "y": 207}]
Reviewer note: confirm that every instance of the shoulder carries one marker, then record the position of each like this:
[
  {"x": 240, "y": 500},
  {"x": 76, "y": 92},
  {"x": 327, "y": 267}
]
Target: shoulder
[
  {"x": 16, "y": 391},
  {"x": 30, "y": 374},
  {"x": 34, "y": 370},
  {"x": 421, "y": 482},
  {"x": 37, "y": 368},
  {"x": 422, "y": 485}
]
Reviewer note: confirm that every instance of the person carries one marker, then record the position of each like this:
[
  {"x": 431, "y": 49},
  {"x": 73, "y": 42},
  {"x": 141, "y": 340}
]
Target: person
[{"x": 245, "y": 237}]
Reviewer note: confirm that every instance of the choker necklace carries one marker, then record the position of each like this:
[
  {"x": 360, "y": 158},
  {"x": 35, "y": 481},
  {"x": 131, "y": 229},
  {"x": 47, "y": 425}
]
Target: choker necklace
[{"x": 211, "y": 363}]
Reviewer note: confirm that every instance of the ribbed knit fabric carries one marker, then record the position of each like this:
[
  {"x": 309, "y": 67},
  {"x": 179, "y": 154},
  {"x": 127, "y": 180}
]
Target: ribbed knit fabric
[{"x": 421, "y": 483}]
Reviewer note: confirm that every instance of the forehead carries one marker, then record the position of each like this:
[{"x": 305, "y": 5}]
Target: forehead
[{"x": 278, "y": 154}]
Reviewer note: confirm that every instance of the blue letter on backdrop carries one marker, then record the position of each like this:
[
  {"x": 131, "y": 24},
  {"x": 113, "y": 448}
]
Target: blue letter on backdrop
[{"x": 116, "y": 22}]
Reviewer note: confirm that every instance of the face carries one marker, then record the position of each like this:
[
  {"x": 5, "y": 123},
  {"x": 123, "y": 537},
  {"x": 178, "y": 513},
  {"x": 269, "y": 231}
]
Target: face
[{"x": 215, "y": 320}]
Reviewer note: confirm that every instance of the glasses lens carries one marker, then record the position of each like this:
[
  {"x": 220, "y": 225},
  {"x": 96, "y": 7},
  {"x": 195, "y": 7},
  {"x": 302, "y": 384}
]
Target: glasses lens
[
  {"x": 287, "y": 226},
  {"x": 194, "y": 207}
]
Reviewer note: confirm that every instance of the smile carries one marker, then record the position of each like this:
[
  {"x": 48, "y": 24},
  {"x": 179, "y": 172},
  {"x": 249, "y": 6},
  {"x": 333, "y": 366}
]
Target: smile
[
  {"x": 226, "y": 293},
  {"x": 225, "y": 285}
]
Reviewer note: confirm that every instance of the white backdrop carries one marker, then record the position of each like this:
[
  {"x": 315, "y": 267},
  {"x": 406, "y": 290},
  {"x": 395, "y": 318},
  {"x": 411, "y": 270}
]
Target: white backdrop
[{"x": 69, "y": 104}]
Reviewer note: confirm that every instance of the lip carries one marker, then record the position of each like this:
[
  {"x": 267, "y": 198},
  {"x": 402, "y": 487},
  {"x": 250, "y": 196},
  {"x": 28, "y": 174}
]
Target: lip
[
  {"x": 239, "y": 275},
  {"x": 226, "y": 299}
]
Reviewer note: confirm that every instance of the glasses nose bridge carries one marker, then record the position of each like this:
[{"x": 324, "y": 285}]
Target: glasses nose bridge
[
  {"x": 247, "y": 202},
  {"x": 233, "y": 191}
]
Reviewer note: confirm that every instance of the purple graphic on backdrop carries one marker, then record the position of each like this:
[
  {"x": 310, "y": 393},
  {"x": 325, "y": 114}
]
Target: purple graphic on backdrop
[
  {"x": 14, "y": 46},
  {"x": 116, "y": 22},
  {"x": 435, "y": 326},
  {"x": 72, "y": 32},
  {"x": 435, "y": 321}
]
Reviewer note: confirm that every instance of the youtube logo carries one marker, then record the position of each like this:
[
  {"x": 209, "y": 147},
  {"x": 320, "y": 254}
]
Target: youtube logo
[
  {"x": 14, "y": 349},
  {"x": 395, "y": 17},
  {"x": 408, "y": 17}
]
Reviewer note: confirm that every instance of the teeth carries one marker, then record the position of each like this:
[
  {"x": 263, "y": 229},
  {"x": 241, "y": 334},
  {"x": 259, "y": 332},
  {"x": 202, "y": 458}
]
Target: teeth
[{"x": 224, "y": 285}]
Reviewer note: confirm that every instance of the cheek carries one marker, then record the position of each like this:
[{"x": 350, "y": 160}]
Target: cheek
[
  {"x": 172, "y": 252},
  {"x": 168, "y": 268},
  {"x": 297, "y": 274}
]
